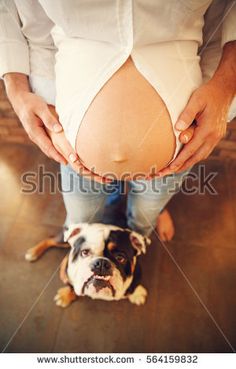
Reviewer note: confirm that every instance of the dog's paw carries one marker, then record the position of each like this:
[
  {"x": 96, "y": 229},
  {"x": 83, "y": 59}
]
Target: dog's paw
[
  {"x": 139, "y": 296},
  {"x": 31, "y": 255},
  {"x": 64, "y": 296}
]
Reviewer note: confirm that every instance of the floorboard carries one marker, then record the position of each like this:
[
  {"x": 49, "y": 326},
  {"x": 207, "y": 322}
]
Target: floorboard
[{"x": 191, "y": 281}]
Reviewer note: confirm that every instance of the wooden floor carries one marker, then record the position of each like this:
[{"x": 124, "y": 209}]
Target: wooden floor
[{"x": 191, "y": 305}]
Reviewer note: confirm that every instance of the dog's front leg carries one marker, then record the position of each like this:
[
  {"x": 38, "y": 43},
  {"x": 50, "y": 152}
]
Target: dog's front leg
[
  {"x": 139, "y": 295},
  {"x": 65, "y": 296}
]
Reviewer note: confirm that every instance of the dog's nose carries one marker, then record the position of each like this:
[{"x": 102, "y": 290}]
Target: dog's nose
[{"x": 101, "y": 266}]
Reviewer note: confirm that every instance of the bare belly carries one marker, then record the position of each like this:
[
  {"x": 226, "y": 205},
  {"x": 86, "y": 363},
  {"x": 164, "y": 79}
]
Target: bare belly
[{"x": 127, "y": 129}]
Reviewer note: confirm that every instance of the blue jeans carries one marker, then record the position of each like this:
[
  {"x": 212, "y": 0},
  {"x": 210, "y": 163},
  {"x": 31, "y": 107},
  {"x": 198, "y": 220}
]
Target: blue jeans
[{"x": 85, "y": 200}]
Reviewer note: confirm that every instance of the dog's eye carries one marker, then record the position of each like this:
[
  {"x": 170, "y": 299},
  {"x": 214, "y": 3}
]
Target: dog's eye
[
  {"x": 120, "y": 258},
  {"x": 85, "y": 252}
]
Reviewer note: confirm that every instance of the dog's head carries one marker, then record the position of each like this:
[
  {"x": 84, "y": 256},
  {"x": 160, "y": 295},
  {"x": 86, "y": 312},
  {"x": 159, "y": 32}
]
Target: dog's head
[{"x": 102, "y": 259}]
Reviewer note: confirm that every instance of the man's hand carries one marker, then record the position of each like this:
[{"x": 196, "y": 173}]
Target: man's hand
[{"x": 208, "y": 106}]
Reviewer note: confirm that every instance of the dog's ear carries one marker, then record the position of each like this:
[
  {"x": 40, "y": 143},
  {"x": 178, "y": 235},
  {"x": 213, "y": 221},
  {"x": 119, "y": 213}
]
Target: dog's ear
[
  {"x": 139, "y": 242},
  {"x": 72, "y": 231}
]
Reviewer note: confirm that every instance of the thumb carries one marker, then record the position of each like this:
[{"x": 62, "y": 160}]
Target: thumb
[
  {"x": 188, "y": 115},
  {"x": 49, "y": 118}
]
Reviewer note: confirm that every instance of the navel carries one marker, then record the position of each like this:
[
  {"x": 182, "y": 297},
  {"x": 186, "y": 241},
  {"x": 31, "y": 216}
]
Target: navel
[{"x": 119, "y": 158}]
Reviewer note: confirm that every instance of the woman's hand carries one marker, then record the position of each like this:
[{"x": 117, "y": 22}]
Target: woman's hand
[
  {"x": 208, "y": 105},
  {"x": 41, "y": 123},
  {"x": 35, "y": 117},
  {"x": 33, "y": 113}
]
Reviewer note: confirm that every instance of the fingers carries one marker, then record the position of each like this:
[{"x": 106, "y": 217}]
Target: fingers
[
  {"x": 40, "y": 138},
  {"x": 90, "y": 174},
  {"x": 41, "y": 124},
  {"x": 200, "y": 154},
  {"x": 192, "y": 109},
  {"x": 203, "y": 152},
  {"x": 76, "y": 163},
  {"x": 49, "y": 118},
  {"x": 46, "y": 132},
  {"x": 64, "y": 147},
  {"x": 188, "y": 151},
  {"x": 36, "y": 132},
  {"x": 82, "y": 170},
  {"x": 185, "y": 154},
  {"x": 184, "y": 137}
]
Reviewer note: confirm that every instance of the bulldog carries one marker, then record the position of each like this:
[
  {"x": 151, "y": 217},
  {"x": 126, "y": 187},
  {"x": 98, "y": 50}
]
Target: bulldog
[{"x": 102, "y": 263}]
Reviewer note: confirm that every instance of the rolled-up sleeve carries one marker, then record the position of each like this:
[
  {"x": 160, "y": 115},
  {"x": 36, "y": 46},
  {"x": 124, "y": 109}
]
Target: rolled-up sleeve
[
  {"x": 219, "y": 28},
  {"x": 229, "y": 23},
  {"x": 14, "y": 50},
  {"x": 26, "y": 45},
  {"x": 36, "y": 28}
]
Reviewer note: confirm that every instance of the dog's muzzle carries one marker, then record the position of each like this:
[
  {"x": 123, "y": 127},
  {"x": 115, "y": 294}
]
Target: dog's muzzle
[{"x": 102, "y": 272}]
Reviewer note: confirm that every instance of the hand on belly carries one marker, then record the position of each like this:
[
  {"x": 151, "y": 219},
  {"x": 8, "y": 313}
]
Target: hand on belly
[{"x": 127, "y": 129}]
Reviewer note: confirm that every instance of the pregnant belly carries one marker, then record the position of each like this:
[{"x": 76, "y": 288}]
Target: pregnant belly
[{"x": 127, "y": 129}]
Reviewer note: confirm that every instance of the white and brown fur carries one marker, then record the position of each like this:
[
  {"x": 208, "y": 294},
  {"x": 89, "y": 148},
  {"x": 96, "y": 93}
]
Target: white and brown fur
[{"x": 102, "y": 262}]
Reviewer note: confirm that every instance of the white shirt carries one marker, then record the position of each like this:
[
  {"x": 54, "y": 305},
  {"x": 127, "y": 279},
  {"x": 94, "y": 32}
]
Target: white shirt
[{"x": 94, "y": 38}]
